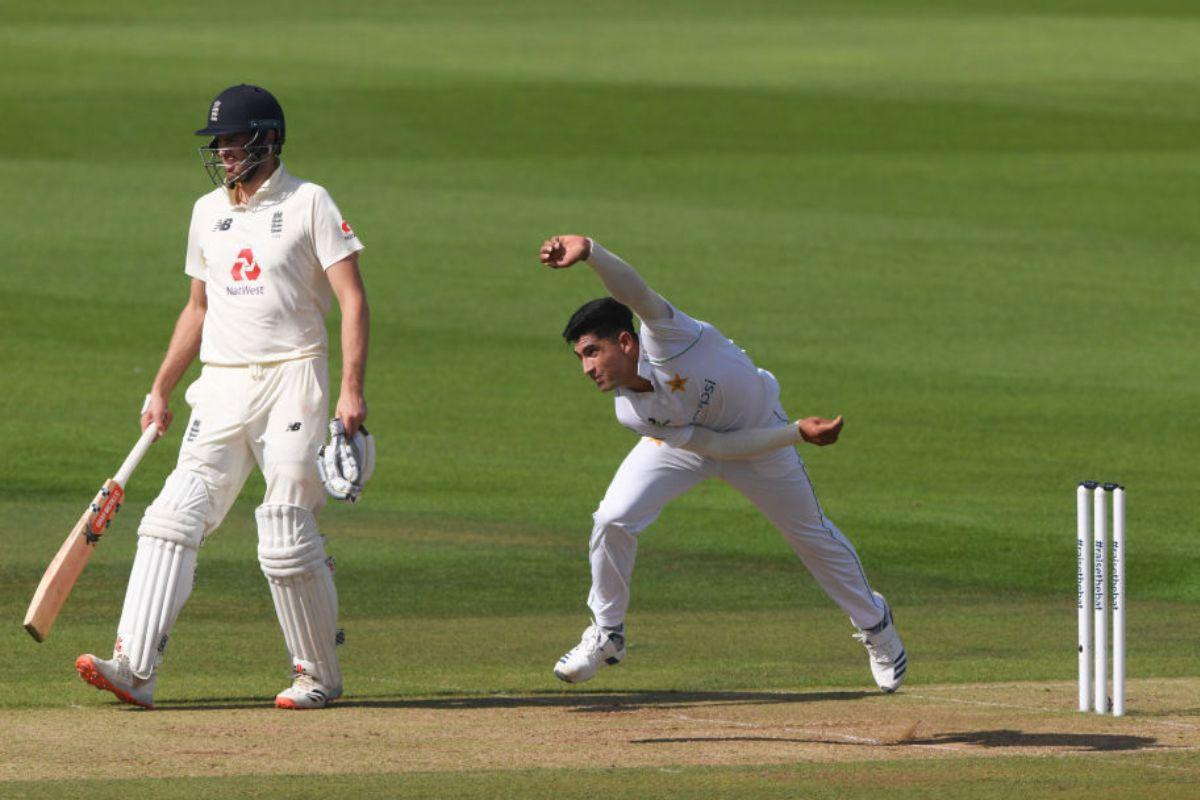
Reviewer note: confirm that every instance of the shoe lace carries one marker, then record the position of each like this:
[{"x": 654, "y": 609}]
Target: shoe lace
[
  {"x": 124, "y": 666},
  {"x": 304, "y": 682},
  {"x": 878, "y": 652},
  {"x": 593, "y": 638}
]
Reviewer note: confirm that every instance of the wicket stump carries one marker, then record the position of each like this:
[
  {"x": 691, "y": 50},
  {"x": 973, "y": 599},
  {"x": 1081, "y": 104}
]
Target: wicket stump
[{"x": 1092, "y": 595}]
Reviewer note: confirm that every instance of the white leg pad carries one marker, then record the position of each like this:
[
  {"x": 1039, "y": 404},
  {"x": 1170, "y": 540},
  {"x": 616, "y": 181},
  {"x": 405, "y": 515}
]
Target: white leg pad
[
  {"x": 163, "y": 570},
  {"x": 291, "y": 553}
]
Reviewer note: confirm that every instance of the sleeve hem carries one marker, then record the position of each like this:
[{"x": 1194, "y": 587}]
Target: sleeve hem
[{"x": 357, "y": 248}]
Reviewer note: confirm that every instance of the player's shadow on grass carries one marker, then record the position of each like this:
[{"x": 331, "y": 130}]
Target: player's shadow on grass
[
  {"x": 1011, "y": 738},
  {"x": 1002, "y": 738},
  {"x": 726, "y": 739},
  {"x": 580, "y": 702}
]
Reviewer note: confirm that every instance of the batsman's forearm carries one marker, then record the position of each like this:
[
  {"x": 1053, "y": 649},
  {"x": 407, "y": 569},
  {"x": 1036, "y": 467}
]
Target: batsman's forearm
[
  {"x": 356, "y": 326},
  {"x": 745, "y": 444},
  {"x": 626, "y": 285},
  {"x": 181, "y": 351}
]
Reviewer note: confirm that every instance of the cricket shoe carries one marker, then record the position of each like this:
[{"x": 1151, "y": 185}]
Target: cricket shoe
[
  {"x": 116, "y": 676},
  {"x": 599, "y": 646},
  {"x": 306, "y": 692},
  {"x": 889, "y": 662}
]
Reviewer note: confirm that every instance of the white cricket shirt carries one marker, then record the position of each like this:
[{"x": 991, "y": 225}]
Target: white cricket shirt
[
  {"x": 263, "y": 265},
  {"x": 700, "y": 378}
]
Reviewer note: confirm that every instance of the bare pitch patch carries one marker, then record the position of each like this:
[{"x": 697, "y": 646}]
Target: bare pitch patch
[{"x": 573, "y": 729}]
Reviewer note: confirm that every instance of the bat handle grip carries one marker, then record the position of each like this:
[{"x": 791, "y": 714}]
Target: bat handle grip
[{"x": 136, "y": 454}]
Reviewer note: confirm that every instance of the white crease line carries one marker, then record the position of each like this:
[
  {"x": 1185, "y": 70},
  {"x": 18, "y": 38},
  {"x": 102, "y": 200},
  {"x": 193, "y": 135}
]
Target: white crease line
[
  {"x": 1171, "y": 724},
  {"x": 980, "y": 703},
  {"x": 931, "y": 746}
]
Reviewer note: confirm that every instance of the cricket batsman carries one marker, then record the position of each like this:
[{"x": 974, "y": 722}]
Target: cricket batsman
[
  {"x": 265, "y": 252},
  {"x": 704, "y": 410}
]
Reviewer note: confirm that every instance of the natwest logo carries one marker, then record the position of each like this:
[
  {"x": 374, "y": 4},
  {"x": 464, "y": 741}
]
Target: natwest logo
[{"x": 245, "y": 266}]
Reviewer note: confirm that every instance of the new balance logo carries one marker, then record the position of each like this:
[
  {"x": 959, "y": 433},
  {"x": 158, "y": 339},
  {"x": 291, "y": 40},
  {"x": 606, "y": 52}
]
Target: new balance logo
[
  {"x": 277, "y": 224},
  {"x": 293, "y": 426},
  {"x": 223, "y": 224},
  {"x": 193, "y": 430}
]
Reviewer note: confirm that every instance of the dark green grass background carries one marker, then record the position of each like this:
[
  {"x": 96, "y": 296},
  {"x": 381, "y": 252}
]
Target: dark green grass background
[{"x": 971, "y": 227}]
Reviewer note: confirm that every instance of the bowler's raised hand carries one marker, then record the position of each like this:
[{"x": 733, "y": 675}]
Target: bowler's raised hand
[{"x": 559, "y": 252}]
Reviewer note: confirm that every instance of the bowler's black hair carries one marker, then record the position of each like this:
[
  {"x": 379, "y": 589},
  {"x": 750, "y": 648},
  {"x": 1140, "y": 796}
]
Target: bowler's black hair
[{"x": 604, "y": 318}]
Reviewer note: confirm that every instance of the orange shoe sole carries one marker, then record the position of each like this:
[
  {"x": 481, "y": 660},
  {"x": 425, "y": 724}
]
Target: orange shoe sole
[
  {"x": 87, "y": 670},
  {"x": 290, "y": 704}
]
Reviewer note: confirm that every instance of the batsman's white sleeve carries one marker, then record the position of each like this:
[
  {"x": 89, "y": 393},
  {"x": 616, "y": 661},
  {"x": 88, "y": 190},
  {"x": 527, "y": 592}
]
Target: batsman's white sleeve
[
  {"x": 623, "y": 283},
  {"x": 744, "y": 444},
  {"x": 332, "y": 237},
  {"x": 194, "y": 264}
]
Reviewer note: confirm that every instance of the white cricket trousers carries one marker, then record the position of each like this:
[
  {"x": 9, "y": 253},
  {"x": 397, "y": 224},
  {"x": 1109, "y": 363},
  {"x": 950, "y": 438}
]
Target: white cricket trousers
[
  {"x": 653, "y": 474},
  {"x": 270, "y": 415}
]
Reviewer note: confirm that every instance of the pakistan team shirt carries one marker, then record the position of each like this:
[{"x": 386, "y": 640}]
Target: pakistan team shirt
[{"x": 700, "y": 378}]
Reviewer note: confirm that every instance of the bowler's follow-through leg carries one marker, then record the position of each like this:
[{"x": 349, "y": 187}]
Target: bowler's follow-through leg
[
  {"x": 648, "y": 478},
  {"x": 780, "y": 488}
]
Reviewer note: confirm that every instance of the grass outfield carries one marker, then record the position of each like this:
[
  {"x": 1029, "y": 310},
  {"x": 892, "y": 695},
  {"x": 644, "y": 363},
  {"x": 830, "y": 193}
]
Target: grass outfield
[
  {"x": 968, "y": 226},
  {"x": 1035, "y": 778}
]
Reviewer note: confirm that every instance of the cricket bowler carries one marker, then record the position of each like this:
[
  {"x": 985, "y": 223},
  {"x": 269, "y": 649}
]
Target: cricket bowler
[
  {"x": 266, "y": 251},
  {"x": 703, "y": 410}
]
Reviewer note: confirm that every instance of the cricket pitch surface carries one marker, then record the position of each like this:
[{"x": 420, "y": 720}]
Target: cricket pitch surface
[{"x": 621, "y": 729}]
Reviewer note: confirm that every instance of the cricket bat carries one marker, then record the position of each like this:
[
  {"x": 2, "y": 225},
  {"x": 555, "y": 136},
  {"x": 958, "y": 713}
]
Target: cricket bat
[{"x": 75, "y": 552}]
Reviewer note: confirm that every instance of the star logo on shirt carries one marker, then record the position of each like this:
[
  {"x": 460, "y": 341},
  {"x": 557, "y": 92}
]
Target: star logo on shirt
[{"x": 677, "y": 385}]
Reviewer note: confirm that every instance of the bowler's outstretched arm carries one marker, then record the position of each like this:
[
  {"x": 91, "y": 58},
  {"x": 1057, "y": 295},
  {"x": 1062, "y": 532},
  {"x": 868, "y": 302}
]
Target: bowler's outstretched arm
[
  {"x": 622, "y": 281},
  {"x": 754, "y": 442}
]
